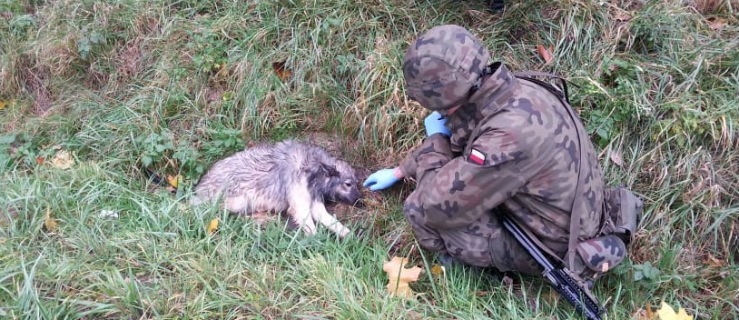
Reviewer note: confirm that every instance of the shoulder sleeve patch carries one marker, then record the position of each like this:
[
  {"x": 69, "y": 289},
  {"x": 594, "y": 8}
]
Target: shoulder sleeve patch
[{"x": 476, "y": 156}]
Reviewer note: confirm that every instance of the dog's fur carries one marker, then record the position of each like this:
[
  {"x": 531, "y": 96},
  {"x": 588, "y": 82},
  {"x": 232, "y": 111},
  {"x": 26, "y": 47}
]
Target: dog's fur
[{"x": 288, "y": 176}]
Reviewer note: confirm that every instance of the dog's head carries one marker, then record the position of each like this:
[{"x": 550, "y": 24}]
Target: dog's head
[{"x": 339, "y": 182}]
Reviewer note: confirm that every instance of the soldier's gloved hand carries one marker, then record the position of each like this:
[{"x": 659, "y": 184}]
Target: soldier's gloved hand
[
  {"x": 382, "y": 179},
  {"x": 435, "y": 123}
]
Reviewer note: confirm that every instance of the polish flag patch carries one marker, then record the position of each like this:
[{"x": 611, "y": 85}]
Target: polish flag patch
[{"x": 477, "y": 157}]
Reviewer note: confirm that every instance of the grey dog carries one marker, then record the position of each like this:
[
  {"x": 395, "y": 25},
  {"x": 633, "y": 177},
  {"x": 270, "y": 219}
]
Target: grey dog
[{"x": 288, "y": 176}]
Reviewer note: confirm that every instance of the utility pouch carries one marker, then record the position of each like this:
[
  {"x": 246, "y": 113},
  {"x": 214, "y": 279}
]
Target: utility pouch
[
  {"x": 624, "y": 209},
  {"x": 601, "y": 254}
]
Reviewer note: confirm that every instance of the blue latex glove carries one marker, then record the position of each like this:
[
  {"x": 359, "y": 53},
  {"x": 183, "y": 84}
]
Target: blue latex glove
[
  {"x": 436, "y": 124},
  {"x": 381, "y": 179}
]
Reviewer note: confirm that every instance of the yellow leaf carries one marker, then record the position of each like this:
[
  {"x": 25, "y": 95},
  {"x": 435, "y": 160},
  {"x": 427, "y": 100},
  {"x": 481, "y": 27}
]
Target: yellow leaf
[
  {"x": 667, "y": 313},
  {"x": 438, "y": 270},
  {"x": 49, "y": 222},
  {"x": 213, "y": 226},
  {"x": 62, "y": 160},
  {"x": 174, "y": 181},
  {"x": 3, "y": 104},
  {"x": 399, "y": 277}
]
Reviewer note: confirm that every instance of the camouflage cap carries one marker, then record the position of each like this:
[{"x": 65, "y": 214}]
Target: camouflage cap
[{"x": 442, "y": 65}]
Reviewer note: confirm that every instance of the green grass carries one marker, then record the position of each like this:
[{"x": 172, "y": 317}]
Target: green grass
[{"x": 174, "y": 86}]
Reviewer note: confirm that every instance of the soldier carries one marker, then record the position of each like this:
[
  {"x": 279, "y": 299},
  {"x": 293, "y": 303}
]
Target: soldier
[{"x": 497, "y": 144}]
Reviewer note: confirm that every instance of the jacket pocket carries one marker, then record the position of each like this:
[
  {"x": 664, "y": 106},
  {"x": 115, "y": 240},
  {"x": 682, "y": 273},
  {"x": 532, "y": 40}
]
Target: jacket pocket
[{"x": 624, "y": 209}]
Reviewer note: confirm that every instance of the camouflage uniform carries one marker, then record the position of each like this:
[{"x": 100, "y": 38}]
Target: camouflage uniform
[{"x": 513, "y": 149}]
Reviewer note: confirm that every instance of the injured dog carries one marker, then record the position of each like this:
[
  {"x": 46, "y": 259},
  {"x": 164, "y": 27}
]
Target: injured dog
[{"x": 288, "y": 176}]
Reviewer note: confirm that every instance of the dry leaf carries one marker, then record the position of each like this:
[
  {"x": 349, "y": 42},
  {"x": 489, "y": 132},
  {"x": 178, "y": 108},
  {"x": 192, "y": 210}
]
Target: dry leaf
[
  {"x": 39, "y": 160},
  {"x": 545, "y": 53},
  {"x": 714, "y": 262},
  {"x": 622, "y": 16},
  {"x": 213, "y": 226},
  {"x": 3, "y": 104},
  {"x": 50, "y": 223},
  {"x": 174, "y": 181},
  {"x": 62, "y": 160},
  {"x": 399, "y": 277},
  {"x": 650, "y": 312},
  {"x": 281, "y": 71},
  {"x": 667, "y": 313},
  {"x": 715, "y": 24}
]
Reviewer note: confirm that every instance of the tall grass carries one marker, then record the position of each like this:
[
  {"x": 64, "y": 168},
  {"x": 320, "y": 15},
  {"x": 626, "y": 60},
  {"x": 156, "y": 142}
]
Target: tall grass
[{"x": 135, "y": 87}]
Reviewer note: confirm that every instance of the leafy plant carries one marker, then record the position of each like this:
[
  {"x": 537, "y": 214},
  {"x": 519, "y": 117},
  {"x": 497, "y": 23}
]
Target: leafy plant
[
  {"x": 188, "y": 159},
  {"x": 5, "y": 158},
  {"x": 21, "y": 24},
  {"x": 20, "y": 149},
  {"x": 610, "y": 110},
  {"x": 210, "y": 50},
  {"x": 88, "y": 42},
  {"x": 645, "y": 271},
  {"x": 155, "y": 146},
  {"x": 223, "y": 141}
]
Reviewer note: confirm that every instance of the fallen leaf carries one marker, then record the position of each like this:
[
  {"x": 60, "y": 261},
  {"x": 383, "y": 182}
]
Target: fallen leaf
[
  {"x": 62, "y": 160},
  {"x": 3, "y": 104},
  {"x": 667, "y": 313},
  {"x": 50, "y": 223},
  {"x": 438, "y": 270},
  {"x": 714, "y": 262},
  {"x": 213, "y": 226},
  {"x": 650, "y": 311},
  {"x": 39, "y": 160},
  {"x": 545, "y": 53},
  {"x": 622, "y": 16},
  {"x": 399, "y": 277},
  {"x": 282, "y": 72},
  {"x": 715, "y": 24},
  {"x": 615, "y": 156},
  {"x": 174, "y": 181}
]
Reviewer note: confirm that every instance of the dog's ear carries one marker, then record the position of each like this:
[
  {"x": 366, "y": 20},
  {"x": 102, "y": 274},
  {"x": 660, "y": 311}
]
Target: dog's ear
[{"x": 328, "y": 170}]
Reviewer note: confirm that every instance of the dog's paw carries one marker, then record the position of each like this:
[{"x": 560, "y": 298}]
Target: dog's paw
[{"x": 344, "y": 233}]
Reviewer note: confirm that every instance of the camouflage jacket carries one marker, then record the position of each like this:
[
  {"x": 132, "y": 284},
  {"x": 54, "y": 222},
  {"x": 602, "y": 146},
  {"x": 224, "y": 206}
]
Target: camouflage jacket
[{"x": 512, "y": 145}]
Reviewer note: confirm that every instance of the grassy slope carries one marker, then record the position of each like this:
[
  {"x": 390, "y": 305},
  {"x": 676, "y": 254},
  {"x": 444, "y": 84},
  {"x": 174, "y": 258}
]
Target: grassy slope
[{"x": 176, "y": 85}]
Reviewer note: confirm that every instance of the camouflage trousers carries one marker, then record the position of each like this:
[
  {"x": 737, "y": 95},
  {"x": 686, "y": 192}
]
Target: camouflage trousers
[{"x": 495, "y": 247}]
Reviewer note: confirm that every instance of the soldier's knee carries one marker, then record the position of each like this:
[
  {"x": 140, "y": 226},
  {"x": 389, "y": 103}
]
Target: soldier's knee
[
  {"x": 412, "y": 209},
  {"x": 508, "y": 255}
]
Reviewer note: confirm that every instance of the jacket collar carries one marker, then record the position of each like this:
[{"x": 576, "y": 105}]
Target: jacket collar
[{"x": 490, "y": 98}]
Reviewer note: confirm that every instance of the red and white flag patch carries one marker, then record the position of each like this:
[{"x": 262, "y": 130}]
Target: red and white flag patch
[{"x": 477, "y": 157}]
